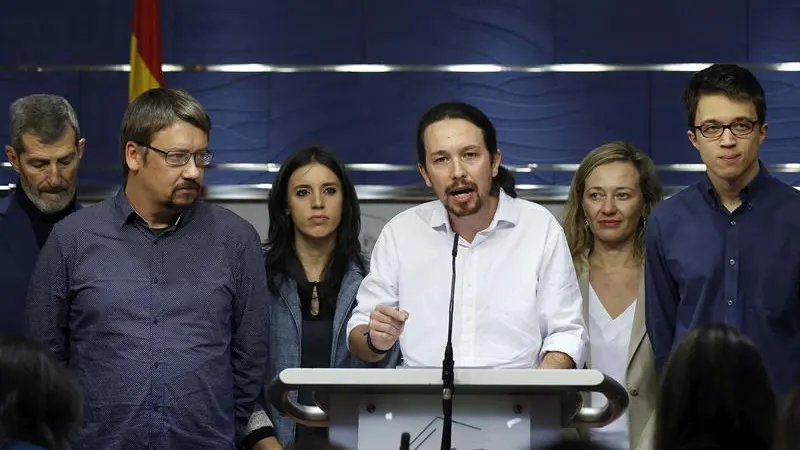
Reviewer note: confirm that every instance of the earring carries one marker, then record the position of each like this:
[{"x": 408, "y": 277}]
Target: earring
[
  {"x": 586, "y": 223},
  {"x": 644, "y": 220}
]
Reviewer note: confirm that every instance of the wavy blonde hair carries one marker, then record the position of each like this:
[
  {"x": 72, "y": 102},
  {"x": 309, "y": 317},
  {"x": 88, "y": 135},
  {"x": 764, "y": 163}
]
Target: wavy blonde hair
[{"x": 579, "y": 237}]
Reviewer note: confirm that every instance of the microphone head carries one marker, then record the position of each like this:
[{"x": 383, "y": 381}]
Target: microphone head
[{"x": 405, "y": 441}]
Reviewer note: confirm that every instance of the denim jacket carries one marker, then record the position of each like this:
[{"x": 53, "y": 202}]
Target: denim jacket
[{"x": 285, "y": 335}]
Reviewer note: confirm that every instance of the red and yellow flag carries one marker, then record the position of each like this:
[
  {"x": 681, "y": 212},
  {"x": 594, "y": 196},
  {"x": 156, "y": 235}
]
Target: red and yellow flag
[{"x": 145, "y": 48}]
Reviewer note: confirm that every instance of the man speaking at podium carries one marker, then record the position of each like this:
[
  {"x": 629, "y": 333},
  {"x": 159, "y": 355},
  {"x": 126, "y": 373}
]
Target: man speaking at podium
[{"x": 516, "y": 298}]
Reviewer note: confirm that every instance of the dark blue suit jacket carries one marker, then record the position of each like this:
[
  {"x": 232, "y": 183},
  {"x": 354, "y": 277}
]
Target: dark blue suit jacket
[{"x": 18, "y": 253}]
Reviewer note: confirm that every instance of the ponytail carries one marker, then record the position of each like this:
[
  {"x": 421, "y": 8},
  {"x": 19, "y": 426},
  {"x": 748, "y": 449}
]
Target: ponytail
[{"x": 504, "y": 180}]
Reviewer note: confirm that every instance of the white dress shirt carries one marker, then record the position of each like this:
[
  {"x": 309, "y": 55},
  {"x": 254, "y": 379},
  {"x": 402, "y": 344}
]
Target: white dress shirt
[
  {"x": 610, "y": 338},
  {"x": 516, "y": 296}
]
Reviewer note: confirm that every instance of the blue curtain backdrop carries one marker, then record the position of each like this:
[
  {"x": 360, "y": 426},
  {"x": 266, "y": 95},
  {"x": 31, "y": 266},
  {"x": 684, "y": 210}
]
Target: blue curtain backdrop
[{"x": 541, "y": 117}]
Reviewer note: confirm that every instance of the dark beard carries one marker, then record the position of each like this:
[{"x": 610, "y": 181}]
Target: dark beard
[{"x": 466, "y": 211}]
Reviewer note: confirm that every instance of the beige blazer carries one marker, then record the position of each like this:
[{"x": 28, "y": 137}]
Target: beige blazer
[{"x": 641, "y": 377}]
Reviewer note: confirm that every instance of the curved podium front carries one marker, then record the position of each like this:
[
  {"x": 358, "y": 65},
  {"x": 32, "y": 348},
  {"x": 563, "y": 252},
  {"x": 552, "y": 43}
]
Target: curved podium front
[{"x": 492, "y": 408}]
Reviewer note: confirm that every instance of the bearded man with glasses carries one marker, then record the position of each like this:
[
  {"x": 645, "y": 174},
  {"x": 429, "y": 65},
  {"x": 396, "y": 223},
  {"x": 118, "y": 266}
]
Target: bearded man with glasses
[
  {"x": 727, "y": 249},
  {"x": 156, "y": 299}
]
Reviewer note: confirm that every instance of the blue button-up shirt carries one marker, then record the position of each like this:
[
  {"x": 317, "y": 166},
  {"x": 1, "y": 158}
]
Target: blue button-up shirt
[
  {"x": 166, "y": 332},
  {"x": 705, "y": 264}
]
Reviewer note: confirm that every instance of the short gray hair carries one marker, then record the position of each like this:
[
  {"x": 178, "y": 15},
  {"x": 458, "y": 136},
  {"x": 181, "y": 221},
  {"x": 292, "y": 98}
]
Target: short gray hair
[{"x": 46, "y": 116}]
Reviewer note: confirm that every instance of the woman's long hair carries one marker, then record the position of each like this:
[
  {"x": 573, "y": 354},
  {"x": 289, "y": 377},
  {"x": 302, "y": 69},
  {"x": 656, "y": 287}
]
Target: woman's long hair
[
  {"x": 280, "y": 245},
  {"x": 40, "y": 401}
]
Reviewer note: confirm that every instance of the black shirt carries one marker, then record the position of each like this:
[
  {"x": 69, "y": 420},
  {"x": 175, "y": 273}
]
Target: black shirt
[
  {"x": 317, "y": 339},
  {"x": 42, "y": 223}
]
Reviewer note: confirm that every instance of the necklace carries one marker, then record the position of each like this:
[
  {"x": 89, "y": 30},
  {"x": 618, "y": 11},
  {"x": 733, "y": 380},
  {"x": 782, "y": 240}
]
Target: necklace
[{"x": 314, "y": 299}]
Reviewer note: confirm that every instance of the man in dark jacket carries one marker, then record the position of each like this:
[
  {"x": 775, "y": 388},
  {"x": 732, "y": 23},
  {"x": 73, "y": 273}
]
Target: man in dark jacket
[{"x": 45, "y": 150}]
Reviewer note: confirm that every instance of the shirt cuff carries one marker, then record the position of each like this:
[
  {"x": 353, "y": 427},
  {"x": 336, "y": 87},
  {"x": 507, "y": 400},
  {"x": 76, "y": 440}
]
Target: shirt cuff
[
  {"x": 254, "y": 437},
  {"x": 258, "y": 420},
  {"x": 258, "y": 427},
  {"x": 568, "y": 344}
]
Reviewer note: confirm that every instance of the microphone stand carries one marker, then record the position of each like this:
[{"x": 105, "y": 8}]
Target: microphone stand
[{"x": 448, "y": 383}]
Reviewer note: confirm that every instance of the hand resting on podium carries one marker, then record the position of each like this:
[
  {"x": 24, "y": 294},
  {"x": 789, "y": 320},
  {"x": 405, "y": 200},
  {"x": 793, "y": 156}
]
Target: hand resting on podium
[{"x": 556, "y": 360}]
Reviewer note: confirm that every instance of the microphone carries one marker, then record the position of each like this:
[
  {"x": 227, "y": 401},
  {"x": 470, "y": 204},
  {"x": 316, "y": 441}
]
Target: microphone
[
  {"x": 448, "y": 363},
  {"x": 405, "y": 441}
]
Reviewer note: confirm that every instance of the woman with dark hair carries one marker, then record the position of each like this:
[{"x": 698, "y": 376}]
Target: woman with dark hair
[
  {"x": 715, "y": 394},
  {"x": 40, "y": 403},
  {"x": 314, "y": 268}
]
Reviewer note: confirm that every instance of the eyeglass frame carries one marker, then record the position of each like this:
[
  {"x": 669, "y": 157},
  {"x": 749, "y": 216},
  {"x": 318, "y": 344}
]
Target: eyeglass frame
[
  {"x": 753, "y": 123},
  {"x": 194, "y": 155}
]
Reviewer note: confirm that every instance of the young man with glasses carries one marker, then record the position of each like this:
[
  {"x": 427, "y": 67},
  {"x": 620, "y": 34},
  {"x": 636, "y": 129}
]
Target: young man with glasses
[
  {"x": 156, "y": 299},
  {"x": 727, "y": 249}
]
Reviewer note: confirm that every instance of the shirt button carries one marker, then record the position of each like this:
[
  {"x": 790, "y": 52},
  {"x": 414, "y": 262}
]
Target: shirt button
[
  {"x": 155, "y": 280},
  {"x": 634, "y": 392},
  {"x": 733, "y": 222},
  {"x": 732, "y": 261},
  {"x": 155, "y": 321},
  {"x": 155, "y": 364},
  {"x": 730, "y": 302}
]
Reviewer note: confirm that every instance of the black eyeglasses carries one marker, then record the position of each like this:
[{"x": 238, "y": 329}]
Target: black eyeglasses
[
  {"x": 739, "y": 128},
  {"x": 181, "y": 157}
]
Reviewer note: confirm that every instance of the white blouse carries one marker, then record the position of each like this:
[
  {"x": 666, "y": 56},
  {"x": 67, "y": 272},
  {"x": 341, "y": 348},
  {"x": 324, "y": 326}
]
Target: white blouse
[{"x": 608, "y": 343}]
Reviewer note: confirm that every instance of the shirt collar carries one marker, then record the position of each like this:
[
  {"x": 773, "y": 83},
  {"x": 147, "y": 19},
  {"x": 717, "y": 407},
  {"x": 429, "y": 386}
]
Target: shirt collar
[
  {"x": 505, "y": 215},
  {"x": 747, "y": 194},
  {"x": 127, "y": 213}
]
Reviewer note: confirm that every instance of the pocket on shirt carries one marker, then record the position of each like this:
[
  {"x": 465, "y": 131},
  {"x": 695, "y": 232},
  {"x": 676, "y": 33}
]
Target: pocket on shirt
[
  {"x": 779, "y": 314},
  {"x": 777, "y": 285},
  {"x": 774, "y": 306}
]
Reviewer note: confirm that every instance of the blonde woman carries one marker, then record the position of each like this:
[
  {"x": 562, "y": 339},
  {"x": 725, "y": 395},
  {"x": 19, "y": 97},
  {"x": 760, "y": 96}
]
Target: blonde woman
[{"x": 613, "y": 191}]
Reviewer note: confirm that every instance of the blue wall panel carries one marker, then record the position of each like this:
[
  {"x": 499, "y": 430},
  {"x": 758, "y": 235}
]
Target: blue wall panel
[
  {"x": 774, "y": 31},
  {"x": 783, "y": 116},
  {"x": 459, "y": 31},
  {"x": 668, "y": 141},
  {"x": 541, "y": 118},
  {"x": 637, "y": 32},
  {"x": 239, "y": 107},
  {"x": 368, "y": 118},
  {"x": 71, "y": 32},
  {"x": 278, "y": 32},
  {"x": 558, "y": 117}
]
